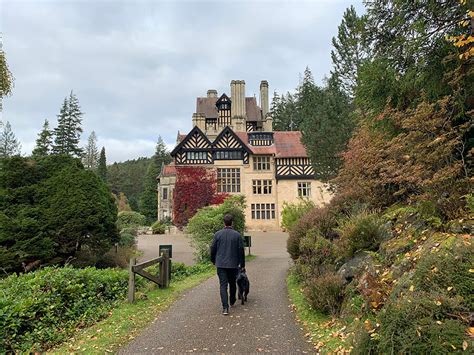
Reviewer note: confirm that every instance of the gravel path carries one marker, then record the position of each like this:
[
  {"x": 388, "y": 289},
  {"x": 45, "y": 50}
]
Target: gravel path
[{"x": 264, "y": 324}]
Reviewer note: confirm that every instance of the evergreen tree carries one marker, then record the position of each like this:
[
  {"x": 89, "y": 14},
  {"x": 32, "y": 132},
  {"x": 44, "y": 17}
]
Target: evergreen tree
[
  {"x": 328, "y": 129},
  {"x": 68, "y": 132},
  {"x": 148, "y": 198},
  {"x": 102, "y": 165},
  {"x": 350, "y": 50},
  {"x": 9, "y": 144},
  {"x": 43, "y": 142},
  {"x": 91, "y": 153}
]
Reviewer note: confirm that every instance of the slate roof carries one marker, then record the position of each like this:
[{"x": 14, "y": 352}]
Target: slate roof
[
  {"x": 286, "y": 145},
  {"x": 207, "y": 106}
]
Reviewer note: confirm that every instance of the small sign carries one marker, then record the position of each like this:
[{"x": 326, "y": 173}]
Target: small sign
[
  {"x": 247, "y": 241},
  {"x": 169, "y": 247}
]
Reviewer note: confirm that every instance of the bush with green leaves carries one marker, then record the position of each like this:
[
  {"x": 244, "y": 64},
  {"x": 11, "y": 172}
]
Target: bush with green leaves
[
  {"x": 325, "y": 292},
  {"x": 363, "y": 230},
  {"x": 321, "y": 220},
  {"x": 208, "y": 220},
  {"x": 127, "y": 219},
  {"x": 45, "y": 307},
  {"x": 180, "y": 271},
  {"x": 292, "y": 212},
  {"x": 429, "y": 309},
  {"x": 50, "y": 210},
  {"x": 317, "y": 255},
  {"x": 158, "y": 227}
]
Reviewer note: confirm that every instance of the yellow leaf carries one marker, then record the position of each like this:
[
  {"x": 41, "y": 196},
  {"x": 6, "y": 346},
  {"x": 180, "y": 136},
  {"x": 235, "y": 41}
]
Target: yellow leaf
[
  {"x": 450, "y": 288},
  {"x": 438, "y": 303},
  {"x": 471, "y": 270},
  {"x": 439, "y": 322},
  {"x": 412, "y": 288},
  {"x": 464, "y": 345},
  {"x": 470, "y": 331}
]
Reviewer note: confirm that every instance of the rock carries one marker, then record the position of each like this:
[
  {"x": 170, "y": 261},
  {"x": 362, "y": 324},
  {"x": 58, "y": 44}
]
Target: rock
[{"x": 361, "y": 261}]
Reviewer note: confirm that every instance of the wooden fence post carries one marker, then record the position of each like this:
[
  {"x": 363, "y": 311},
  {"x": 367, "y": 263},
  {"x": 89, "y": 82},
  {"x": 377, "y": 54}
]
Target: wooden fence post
[
  {"x": 165, "y": 269},
  {"x": 131, "y": 281}
]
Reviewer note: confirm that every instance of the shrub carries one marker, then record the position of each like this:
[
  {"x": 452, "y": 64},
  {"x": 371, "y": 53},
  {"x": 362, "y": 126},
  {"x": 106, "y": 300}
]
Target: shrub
[
  {"x": 45, "y": 307},
  {"x": 321, "y": 220},
  {"x": 180, "y": 271},
  {"x": 128, "y": 219},
  {"x": 158, "y": 228},
  {"x": 127, "y": 239},
  {"x": 325, "y": 293},
  {"x": 50, "y": 209},
  {"x": 362, "y": 230},
  {"x": 208, "y": 220},
  {"x": 292, "y": 212},
  {"x": 418, "y": 323},
  {"x": 317, "y": 255}
]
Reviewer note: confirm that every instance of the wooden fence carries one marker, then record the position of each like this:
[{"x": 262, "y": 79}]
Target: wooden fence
[{"x": 161, "y": 280}]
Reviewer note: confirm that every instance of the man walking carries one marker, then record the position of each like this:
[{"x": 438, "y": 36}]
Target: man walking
[{"x": 227, "y": 254}]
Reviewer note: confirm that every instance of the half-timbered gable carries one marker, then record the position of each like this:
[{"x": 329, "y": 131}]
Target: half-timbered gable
[
  {"x": 228, "y": 146},
  {"x": 195, "y": 148},
  {"x": 293, "y": 168}
]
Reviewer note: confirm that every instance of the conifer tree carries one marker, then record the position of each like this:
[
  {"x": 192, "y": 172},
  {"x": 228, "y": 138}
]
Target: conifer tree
[
  {"x": 91, "y": 153},
  {"x": 43, "y": 142},
  {"x": 350, "y": 50},
  {"x": 9, "y": 144},
  {"x": 102, "y": 166},
  {"x": 69, "y": 129},
  {"x": 148, "y": 199}
]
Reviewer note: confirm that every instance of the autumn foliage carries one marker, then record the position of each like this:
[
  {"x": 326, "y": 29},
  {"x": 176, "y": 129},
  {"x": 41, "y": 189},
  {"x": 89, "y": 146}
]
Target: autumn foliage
[{"x": 196, "y": 187}]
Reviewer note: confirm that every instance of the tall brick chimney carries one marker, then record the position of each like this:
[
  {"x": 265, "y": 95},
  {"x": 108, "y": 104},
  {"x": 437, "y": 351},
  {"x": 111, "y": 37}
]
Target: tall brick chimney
[{"x": 264, "y": 105}]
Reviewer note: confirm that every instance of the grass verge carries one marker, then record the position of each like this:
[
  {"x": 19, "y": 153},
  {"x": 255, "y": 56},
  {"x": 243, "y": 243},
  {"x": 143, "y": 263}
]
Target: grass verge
[
  {"x": 127, "y": 320},
  {"x": 324, "y": 332}
]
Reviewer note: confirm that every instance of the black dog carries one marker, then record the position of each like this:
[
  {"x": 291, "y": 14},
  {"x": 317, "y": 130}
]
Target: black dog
[{"x": 243, "y": 284}]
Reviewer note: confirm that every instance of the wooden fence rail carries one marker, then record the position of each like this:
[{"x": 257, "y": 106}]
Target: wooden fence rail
[{"x": 161, "y": 280}]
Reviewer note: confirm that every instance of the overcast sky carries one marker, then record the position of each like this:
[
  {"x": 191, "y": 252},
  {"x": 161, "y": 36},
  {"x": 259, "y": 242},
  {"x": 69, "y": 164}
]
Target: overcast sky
[{"x": 138, "y": 66}]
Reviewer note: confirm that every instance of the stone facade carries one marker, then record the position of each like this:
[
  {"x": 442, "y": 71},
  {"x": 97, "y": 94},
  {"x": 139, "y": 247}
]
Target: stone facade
[{"x": 234, "y": 137}]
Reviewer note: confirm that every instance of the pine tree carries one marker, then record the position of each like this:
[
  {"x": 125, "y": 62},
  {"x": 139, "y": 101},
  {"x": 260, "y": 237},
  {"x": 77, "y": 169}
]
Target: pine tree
[
  {"x": 326, "y": 131},
  {"x": 9, "y": 144},
  {"x": 350, "y": 50},
  {"x": 91, "y": 153},
  {"x": 43, "y": 142},
  {"x": 148, "y": 198},
  {"x": 102, "y": 166},
  {"x": 68, "y": 132}
]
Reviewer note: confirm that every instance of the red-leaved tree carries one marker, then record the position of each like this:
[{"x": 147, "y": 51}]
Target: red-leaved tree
[{"x": 196, "y": 187}]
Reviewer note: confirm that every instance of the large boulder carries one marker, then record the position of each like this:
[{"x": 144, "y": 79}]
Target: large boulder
[{"x": 361, "y": 261}]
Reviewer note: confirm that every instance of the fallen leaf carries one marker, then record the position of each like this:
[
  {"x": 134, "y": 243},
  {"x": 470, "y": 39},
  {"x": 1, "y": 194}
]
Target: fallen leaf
[
  {"x": 464, "y": 345},
  {"x": 438, "y": 303},
  {"x": 450, "y": 288},
  {"x": 412, "y": 288}
]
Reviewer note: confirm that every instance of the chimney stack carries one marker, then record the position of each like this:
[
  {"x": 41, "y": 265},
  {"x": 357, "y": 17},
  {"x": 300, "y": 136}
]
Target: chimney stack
[
  {"x": 237, "y": 95},
  {"x": 264, "y": 105},
  {"x": 211, "y": 93}
]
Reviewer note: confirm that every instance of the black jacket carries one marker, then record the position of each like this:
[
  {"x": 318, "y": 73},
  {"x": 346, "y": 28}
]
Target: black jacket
[{"x": 227, "y": 249}]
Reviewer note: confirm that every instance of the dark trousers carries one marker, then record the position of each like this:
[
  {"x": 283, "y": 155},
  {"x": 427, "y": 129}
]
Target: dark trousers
[{"x": 227, "y": 277}]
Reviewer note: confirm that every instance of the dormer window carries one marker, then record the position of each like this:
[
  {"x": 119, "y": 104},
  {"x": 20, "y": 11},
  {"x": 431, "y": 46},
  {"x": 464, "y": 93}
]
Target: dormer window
[
  {"x": 223, "y": 110},
  {"x": 261, "y": 138}
]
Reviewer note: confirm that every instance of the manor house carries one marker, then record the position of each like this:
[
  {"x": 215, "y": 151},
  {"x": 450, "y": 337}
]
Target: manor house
[{"x": 233, "y": 135}]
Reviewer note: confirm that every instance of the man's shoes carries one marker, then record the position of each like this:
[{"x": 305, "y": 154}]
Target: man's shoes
[
  {"x": 232, "y": 304},
  {"x": 225, "y": 311}
]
